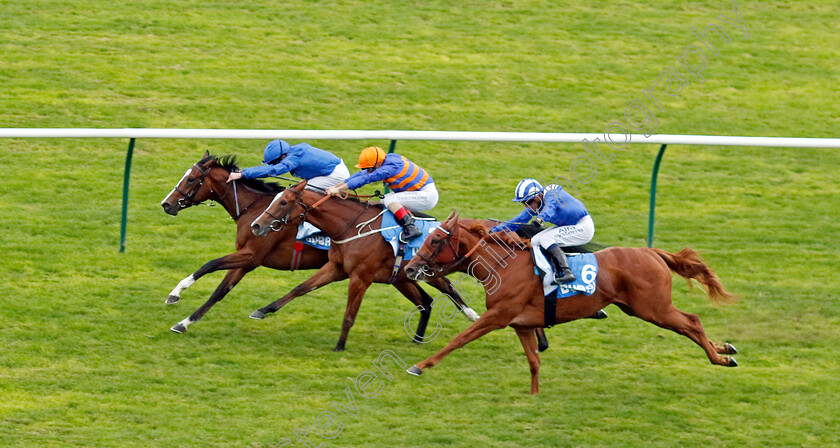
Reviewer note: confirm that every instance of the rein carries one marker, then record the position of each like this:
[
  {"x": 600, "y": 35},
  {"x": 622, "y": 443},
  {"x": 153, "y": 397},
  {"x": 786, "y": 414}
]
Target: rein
[
  {"x": 447, "y": 242},
  {"x": 182, "y": 202},
  {"x": 306, "y": 209}
]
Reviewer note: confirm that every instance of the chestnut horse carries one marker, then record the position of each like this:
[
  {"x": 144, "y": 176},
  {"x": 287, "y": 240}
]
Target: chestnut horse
[
  {"x": 244, "y": 200},
  {"x": 637, "y": 280},
  {"x": 364, "y": 258}
]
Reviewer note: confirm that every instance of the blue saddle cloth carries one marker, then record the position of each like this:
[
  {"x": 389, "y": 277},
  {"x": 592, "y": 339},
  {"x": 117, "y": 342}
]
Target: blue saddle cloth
[
  {"x": 391, "y": 232},
  {"x": 312, "y": 236},
  {"x": 584, "y": 266}
]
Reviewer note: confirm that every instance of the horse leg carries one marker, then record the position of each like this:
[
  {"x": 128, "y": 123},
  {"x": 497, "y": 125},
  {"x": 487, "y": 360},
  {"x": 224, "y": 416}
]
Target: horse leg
[
  {"x": 688, "y": 325},
  {"x": 327, "y": 274},
  {"x": 491, "y": 320},
  {"x": 231, "y": 279},
  {"x": 238, "y": 259},
  {"x": 423, "y": 302},
  {"x": 443, "y": 285},
  {"x": 541, "y": 339},
  {"x": 529, "y": 343},
  {"x": 355, "y": 294}
]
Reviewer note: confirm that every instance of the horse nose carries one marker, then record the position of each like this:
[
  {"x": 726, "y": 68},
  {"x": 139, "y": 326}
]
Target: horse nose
[
  {"x": 255, "y": 228},
  {"x": 410, "y": 271},
  {"x": 165, "y": 205}
]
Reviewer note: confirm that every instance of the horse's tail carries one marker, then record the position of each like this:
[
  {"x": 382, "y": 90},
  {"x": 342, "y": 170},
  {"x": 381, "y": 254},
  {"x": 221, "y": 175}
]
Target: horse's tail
[{"x": 687, "y": 263}]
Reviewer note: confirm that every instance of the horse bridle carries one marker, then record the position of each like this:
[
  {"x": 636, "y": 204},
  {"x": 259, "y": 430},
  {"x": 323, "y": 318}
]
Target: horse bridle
[
  {"x": 278, "y": 223},
  {"x": 182, "y": 202},
  {"x": 450, "y": 241}
]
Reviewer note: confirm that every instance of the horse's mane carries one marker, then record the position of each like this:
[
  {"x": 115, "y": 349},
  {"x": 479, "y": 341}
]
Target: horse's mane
[
  {"x": 228, "y": 162},
  {"x": 508, "y": 238}
]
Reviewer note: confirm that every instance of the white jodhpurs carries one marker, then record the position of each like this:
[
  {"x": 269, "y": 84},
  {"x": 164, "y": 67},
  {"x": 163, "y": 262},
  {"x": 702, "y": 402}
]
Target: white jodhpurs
[
  {"x": 574, "y": 235},
  {"x": 418, "y": 200},
  {"x": 339, "y": 174}
]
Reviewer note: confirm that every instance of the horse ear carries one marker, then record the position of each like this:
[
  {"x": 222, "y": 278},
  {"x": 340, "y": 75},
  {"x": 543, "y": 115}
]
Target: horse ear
[
  {"x": 453, "y": 217},
  {"x": 206, "y": 154}
]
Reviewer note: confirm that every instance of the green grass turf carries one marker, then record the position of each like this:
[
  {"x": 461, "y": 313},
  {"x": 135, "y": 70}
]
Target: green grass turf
[{"x": 87, "y": 358}]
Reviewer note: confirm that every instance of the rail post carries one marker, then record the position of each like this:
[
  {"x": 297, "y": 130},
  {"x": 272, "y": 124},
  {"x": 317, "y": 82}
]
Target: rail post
[
  {"x": 653, "y": 193},
  {"x": 124, "y": 222}
]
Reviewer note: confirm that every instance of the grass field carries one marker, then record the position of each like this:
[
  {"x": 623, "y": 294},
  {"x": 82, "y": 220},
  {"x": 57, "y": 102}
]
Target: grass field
[{"x": 88, "y": 360}]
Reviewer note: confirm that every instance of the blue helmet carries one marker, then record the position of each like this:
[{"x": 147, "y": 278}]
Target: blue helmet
[
  {"x": 526, "y": 190},
  {"x": 274, "y": 150}
]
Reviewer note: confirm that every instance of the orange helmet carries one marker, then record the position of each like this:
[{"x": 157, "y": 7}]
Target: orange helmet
[{"x": 370, "y": 157}]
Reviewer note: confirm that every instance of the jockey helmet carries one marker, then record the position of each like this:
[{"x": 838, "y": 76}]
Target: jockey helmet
[
  {"x": 526, "y": 190},
  {"x": 274, "y": 150},
  {"x": 370, "y": 157}
]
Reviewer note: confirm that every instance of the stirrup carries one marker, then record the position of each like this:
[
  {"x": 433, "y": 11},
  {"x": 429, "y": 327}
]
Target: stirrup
[
  {"x": 407, "y": 235},
  {"x": 564, "y": 276}
]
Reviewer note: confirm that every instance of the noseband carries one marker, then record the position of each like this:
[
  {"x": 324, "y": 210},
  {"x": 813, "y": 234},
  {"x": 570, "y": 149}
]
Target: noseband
[
  {"x": 182, "y": 202},
  {"x": 278, "y": 223},
  {"x": 447, "y": 243},
  {"x": 434, "y": 257}
]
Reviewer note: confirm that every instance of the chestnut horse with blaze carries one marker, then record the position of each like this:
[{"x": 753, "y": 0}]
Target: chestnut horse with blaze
[
  {"x": 357, "y": 253},
  {"x": 637, "y": 280}
]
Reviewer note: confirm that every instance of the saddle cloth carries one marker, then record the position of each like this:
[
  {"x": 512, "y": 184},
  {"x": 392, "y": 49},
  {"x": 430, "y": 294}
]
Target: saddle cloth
[
  {"x": 391, "y": 232},
  {"x": 312, "y": 236},
  {"x": 584, "y": 266}
]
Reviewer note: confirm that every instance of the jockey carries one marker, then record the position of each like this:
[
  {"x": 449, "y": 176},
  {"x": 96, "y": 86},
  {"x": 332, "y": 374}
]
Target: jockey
[
  {"x": 320, "y": 168},
  {"x": 574, "y": 226},
  {"x": 412, "y": 187}
]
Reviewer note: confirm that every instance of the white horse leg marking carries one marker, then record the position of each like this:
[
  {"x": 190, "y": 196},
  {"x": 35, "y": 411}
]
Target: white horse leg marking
[
  {"x": 471, "y": 314},
  {"x": 181, "y": 327},
  {"x": 184, "y": 284}
]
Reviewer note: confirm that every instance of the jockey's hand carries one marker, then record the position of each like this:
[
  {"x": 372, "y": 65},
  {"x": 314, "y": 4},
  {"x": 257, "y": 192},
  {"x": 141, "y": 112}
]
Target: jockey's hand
[
  {"x": 333, "y": 190},
  {"x": 539, "y": 221},
  {"x": 234, "y": 176}
]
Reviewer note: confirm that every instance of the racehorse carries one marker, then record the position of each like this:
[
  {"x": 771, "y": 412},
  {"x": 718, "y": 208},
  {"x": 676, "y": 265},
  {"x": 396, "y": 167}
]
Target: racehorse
[
  {"x": 244, "y": 199},
  {"x": 637, "y": 280},
  {"x": 363, "y": 258}
]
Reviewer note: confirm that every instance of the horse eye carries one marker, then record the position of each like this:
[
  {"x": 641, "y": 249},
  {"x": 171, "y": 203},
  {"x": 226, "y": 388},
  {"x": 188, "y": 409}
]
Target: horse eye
[
  {"x": 283, "y": 203},
  {"x": 190, "y": 180},
  {"x": 435, "y": 242}
]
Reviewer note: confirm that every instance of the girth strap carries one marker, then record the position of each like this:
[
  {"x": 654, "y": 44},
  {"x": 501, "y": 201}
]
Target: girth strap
[
  {"x": 397, "y": 262},
  {"x": 550, "y": 311}
]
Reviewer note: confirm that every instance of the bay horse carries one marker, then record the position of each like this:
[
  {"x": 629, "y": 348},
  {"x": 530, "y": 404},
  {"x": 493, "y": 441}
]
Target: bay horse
[
  {"x": 364, "y": 259},
  {"x": 637, "y": 280},
  {"x": 243, "y": 200}
]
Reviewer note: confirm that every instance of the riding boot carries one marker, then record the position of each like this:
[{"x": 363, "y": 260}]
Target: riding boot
[
  {"x": 562, "y": 273},
  {"x": 410, "y": 231}
]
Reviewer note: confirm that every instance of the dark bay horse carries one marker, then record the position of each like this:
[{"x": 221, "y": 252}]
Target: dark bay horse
[
  {"x": 244, "y": 200},
  {"x": 637, "y": 280},
  {"x": 364, "y": 260}
]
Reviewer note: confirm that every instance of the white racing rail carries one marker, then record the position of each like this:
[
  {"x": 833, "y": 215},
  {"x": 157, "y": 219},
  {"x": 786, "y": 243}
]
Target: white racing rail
[{"x": 393, "y": 136}]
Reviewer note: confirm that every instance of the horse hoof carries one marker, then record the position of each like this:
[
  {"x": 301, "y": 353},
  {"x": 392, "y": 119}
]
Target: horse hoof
[
  {"x": 172, "y": 299},
  {"x": 417, "y": 340},
  {"x": 601, "y": 314},
  {"x": 178, "y": 328},
  {"x": 732, "y": 362},
  {"x": 258, "y": 315},
  {"x": 542, "y": 347},
  {"x": 414, "y": 370},
  {"x": 730, "y": 349},
  {"x": 338, "y": 349}
]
